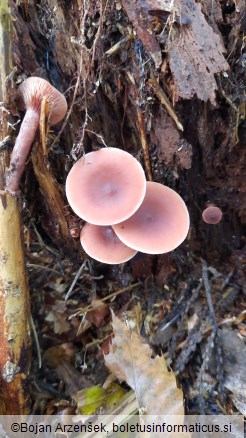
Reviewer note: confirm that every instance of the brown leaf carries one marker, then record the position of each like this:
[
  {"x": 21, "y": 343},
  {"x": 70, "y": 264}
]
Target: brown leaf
[
  {"x": 59, "y": 353},
  {"x": 130, "y": 360},
  {"x": 98, "y": 313},
  {"x": 58, "y": 316}
]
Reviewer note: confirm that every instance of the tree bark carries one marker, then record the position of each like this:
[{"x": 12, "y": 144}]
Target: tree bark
[{"x": 14, "y": 293}]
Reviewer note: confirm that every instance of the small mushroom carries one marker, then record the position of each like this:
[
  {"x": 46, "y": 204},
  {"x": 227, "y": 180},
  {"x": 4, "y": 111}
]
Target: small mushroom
[
  {"x": 106, "y": 187},
  {"x": 102, "y": 244},
  {"x": 159, "y": 225},
  {"x": 212, "y": 215},
  {"x": 31, "y": 92}
]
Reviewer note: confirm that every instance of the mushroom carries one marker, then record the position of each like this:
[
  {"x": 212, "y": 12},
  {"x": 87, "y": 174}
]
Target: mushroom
[
  {"x": 102, "y": 244},
  {"x": 106, "y": 187},
  {"x": 159, "y": 225},
  {"x": 212, "y": 215},
  {"x": 32, "y": 91}
]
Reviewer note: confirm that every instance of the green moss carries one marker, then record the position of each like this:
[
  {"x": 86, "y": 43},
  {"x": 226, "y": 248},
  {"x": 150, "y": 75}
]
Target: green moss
[
  {"x": 5, "y": 16},
  {"x": 6, "y": 56}
]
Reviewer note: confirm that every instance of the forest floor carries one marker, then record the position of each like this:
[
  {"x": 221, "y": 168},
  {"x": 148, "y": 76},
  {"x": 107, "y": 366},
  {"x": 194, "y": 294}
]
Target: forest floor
[{"x": 136, "y": 74}]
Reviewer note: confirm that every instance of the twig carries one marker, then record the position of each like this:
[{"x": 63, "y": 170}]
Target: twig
[
  {"x": 234, "y": 320},
  {"x": 165, "y": 101},
  {"x": 208, "y": 295},
  {"x": 180, "y": 324},
  {"x": 98, "y": 136},
  {"x": 228, "y": 100},
  {"x": 44, "y": 268},
  {"x": 116, "y": 47},
  {"x": 36, "y": 341},
  {"x": 5, "y": 142},
  {"x": 70, "y": 290},
  {"x": 205, "y": 360},
  {"x": 100, "y": 24},
  {"x": 144, "y": 144},
  {"x": 213, "y": 341},
  {"x": 84, "y": 310}
]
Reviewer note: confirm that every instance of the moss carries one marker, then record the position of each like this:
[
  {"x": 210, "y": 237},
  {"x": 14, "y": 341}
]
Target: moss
[{"x": 6, "y": 37}]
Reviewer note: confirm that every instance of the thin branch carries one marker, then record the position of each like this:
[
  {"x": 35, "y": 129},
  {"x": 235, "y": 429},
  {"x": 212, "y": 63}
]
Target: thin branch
[
  {"x": 208, "y": 294},
  {"x": 70, "y": 290}
]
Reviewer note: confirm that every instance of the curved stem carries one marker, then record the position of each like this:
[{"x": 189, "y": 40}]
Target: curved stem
[{"x": 21, "y": 149}]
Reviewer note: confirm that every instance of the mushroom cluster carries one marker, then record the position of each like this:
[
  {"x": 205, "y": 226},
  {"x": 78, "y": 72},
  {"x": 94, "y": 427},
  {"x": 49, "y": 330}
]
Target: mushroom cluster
[{"x": 124, "y": 213}]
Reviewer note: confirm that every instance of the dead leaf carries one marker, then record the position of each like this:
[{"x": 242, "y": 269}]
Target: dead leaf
[
  {"x": 95, "y": 399},
  {"x": 130, "y": 359},
  {"x": 59, "y": 353},
  {"x": 98, "y": 312},
  {"x": 58, "y": 316}
]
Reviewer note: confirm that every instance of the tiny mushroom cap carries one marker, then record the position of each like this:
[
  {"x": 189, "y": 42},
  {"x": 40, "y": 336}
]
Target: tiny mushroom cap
[
  {"x": 106, "y": 187},
  {"x": 159, "y": 225},
  {"x": 34, "y": 89},
  {"x": 212, "y": 215},
  {"x": 102, "y": 244}
]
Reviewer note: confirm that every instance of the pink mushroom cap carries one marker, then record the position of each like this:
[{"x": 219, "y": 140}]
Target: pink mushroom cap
[
  {"x": 102, "y": 244},
  {"x": 34, "y": 89},
  {"x": 160, "y": 224},
  {"x": 106, "y": 187},
  {"x": 212, "y": 215}
]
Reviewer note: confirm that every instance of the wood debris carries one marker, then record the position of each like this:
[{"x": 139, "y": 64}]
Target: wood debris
[{"x": 195, "y": 54}]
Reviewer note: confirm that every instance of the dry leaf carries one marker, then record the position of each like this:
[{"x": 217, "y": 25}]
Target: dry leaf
[
  {"x": 98, "y": 312},
  {"x": 59, "y": 353},
  {"x": 58, "y": 316},
  {"x": 130, "y": 360}
]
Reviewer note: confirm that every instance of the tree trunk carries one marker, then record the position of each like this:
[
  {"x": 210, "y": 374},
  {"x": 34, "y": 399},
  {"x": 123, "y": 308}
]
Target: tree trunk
[{"x": 14, "y": 293}]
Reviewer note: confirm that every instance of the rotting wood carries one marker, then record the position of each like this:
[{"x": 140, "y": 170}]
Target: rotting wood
[
  {"x": 140, "y": 19},
  {"x": 165, "y": 101},
  {"x": 195, "y": 54},
  {"x": 51, "y": 193},
  {"x": 48, "y": 186},
  {"x": 14, "y": 293},
  {"x": 144, "y": 144}
]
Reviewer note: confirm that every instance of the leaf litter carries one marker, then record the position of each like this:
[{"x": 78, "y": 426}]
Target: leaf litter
[{"x": 130, "y": 359}]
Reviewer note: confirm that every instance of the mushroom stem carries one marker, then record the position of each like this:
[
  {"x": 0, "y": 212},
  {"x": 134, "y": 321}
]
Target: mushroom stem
[{"x": 21, "y": 149}]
